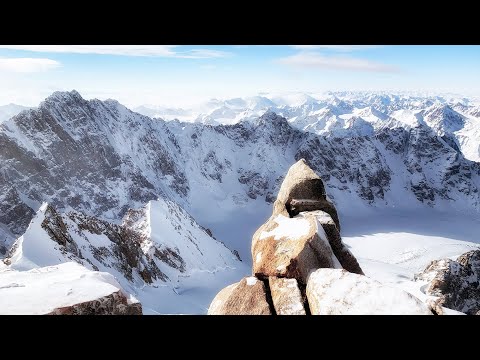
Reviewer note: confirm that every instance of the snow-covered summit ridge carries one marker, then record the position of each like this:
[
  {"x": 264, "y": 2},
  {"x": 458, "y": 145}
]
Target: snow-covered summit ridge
[{"x": 342, "y": 114}]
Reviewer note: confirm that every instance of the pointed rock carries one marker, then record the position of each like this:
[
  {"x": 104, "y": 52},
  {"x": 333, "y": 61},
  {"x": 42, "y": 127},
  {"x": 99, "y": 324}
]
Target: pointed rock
[{"x": 307, "y": 191}]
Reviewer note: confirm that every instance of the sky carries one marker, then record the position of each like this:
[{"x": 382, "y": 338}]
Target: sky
[{"x": 180, "y": 76}]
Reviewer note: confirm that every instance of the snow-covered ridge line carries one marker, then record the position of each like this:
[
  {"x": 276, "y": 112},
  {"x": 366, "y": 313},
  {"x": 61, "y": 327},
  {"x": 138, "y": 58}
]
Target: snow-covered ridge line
[
  {"x": 347, "y": 114},
  {"x": 102, "y": 159}
]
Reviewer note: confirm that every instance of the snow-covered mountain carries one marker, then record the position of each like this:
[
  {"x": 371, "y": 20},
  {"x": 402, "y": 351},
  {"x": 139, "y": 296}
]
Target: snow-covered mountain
[
  {"x": 102, "y": 159},
  {"x": 341, "y": 114},
  {"x": 157, "y": 245},
  {"x": 105, "y": 170},
  {"x": 7, "y": 111}
]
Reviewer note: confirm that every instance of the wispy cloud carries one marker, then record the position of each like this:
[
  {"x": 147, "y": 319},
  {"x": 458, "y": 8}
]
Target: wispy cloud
[
  {"x": 123, "y": 50},
  {"x": 316, "y": 60},
  {"x": 202, "y": 54},
  {"x": 27, "y": 65},
  {"x": 343, "y": 48}
]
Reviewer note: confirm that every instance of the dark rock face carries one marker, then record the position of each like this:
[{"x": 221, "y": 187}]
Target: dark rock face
[
  {"x": 113, "y": 304},
  {"x": 69, "y": 152},
  {"x": 455, "y": 282},
  {"x": 344, "y": 256},
  {"x": 124, "y": 252},
  {"x": 56, "y": 228}
]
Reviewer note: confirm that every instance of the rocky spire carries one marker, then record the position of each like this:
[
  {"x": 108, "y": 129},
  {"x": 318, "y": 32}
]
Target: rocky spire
[{"x": 299, "y": 258}]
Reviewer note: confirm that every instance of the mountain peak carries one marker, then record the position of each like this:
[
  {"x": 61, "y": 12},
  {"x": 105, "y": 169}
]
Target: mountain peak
[
  {"x": 271, "y": 118},
  {"x": 72, "y": 95}
]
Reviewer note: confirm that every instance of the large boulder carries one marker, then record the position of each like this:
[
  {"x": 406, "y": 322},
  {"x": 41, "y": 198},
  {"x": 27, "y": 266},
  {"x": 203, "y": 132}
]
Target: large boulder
[
  {"x": 302, "y": 190},
  {"x": 339, "y": 292},
  {"x": 291, "y": 248},
  {"x": 456, "y": 283},
  {"x": 247, "y": 297},
  {"x": 68, "y": 288},
  {"x": 344, "y": 256},
  {"x": 286, "y": 296}
]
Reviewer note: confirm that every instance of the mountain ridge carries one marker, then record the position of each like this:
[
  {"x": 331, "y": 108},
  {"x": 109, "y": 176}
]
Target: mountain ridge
[{"x": 101, "y": 158}]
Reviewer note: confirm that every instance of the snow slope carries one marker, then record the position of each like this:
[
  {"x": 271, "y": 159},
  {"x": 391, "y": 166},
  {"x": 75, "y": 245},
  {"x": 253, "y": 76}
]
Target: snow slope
[{"x": 393, "y": 246}]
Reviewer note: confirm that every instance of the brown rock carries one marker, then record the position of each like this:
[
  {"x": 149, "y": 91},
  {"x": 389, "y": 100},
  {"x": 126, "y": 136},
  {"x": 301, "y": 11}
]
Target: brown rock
[
  {"x": 291, "y": 248},
  {"x": 305, "y": 188},
  {"x": 435, "y": 307},
  {"x": 344, "y": 256},
  {"x": 247, "y": 297},
  {"x": 286, "y": 296},
  {"x": 113, "y": 304}
]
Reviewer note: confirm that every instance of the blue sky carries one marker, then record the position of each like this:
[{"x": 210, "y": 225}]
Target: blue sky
[{"x": 184, "y": 75}]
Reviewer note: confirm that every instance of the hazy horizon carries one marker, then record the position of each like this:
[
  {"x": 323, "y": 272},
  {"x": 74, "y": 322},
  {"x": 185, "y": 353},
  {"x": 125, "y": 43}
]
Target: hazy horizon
[{"x": 182, "y": 76}]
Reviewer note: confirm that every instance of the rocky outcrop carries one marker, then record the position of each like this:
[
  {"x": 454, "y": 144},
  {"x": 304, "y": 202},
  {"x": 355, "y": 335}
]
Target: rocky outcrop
[
  {"x": 300, "y": 237},
  {"x": 286, "y": 296},
  {"x": 113, "y": 304},
  {"x": 247, "y": 297},
  {"x": 339, "y": 292},
  {"x": 456, "y": 283},
  {"x": 302, "y": 234},
  {"x": 291, "y": 247},
  {"x": 64, "y": 289},
  {"x": 302, "y": 190}
]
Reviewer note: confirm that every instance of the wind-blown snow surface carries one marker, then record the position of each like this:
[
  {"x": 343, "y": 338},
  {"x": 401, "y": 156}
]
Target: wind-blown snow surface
[
  {"x": 42, "y": 290},
  {"x": 393, "y": 246}
]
